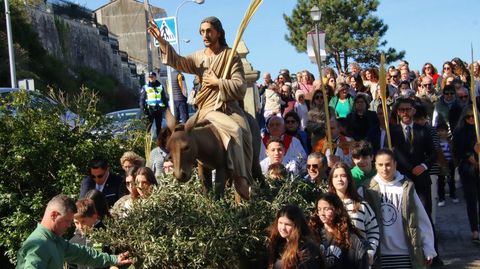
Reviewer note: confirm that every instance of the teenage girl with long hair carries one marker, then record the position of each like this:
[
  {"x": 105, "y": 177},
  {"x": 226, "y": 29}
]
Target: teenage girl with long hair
[
  {"x": 290, "y": 243},
  {"x": 340, "y": 241},
  {"x": 340, "y": 182}
]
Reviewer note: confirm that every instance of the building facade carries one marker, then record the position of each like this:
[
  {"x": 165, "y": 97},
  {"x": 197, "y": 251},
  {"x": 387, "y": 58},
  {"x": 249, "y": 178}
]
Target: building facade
[{"x": 127, "y": 20}]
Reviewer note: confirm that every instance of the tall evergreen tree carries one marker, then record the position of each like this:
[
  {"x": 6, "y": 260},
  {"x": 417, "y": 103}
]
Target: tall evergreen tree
[{"x": 353, "y": 32}]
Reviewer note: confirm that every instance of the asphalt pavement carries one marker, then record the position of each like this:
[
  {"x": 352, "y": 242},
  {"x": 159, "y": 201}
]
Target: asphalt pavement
[{"x": 454, "y": 237}]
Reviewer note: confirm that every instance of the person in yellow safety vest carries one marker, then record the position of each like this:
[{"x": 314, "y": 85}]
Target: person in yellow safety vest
[{"x": 153, "y": 101}]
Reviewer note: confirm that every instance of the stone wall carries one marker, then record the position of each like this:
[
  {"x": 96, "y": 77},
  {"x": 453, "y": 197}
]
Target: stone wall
[{"x": 80, "y": 44}]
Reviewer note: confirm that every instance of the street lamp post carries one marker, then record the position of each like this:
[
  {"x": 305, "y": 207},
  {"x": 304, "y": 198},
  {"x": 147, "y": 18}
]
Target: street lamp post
[
  {"x": 199, "y": 2},
  {"x": 146, "y": 7},
  {"x": 316, "y": 15},
  {"x": 169, "y": 69},
  {"x": 11, "y": 53}
]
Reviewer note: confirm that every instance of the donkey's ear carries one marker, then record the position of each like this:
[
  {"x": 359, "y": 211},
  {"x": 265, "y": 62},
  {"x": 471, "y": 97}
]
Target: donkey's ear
[
  {"x": 202, "y": 123},
  {"x": 190, "y": 124},
  {"x": 171, "y": 121},
  {"x": 180, "y": 127}
]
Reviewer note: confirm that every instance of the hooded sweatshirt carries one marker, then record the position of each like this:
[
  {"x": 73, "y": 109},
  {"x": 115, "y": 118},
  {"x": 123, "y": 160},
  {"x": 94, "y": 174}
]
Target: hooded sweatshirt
[{"x": 394, "y": 239}]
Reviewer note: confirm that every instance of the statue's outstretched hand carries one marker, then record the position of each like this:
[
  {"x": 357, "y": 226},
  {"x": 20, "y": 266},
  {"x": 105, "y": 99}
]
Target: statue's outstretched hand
[{"x": 155, "y": 32}]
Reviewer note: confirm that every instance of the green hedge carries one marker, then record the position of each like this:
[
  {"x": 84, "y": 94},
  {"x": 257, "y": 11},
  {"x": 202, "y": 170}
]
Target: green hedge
[
  {"x": 180, "y": 227},
  {"x": 43, "y": 156}
]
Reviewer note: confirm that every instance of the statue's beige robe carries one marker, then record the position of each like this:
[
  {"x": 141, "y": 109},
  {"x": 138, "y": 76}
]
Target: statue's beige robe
[{"x": 226, "y": 115}]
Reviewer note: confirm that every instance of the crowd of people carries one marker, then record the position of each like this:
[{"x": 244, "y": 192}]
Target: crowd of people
[
  {"x": 429, "y": 118},
  {"x": 386, "y": 199},
  {"x": 376, "y": 206}
]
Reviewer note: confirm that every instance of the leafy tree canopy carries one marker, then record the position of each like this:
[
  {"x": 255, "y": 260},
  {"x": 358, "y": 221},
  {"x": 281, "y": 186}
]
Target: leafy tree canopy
[{"x": 353, "y": 32}]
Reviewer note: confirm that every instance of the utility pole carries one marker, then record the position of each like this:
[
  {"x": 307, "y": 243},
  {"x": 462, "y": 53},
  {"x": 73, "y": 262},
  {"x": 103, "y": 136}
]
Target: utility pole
[
  {"x": 146, "y": 6},
  {"x": 11, "y": 53}
]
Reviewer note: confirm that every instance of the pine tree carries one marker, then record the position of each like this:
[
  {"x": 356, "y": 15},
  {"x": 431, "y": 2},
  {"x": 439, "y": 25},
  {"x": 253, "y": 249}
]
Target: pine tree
[{"x": 353, "y": 33}]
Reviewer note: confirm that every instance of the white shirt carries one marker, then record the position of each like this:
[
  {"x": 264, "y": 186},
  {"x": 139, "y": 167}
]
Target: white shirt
[
  {"x": 404, "y": 128},
  {"x": 100, "y": 187},
  {"x": 339, "y": 152},
  {"x": 295, "y": 152},
  {"x": 302, "y": 111},
  {"x": 393, "y": 241}
]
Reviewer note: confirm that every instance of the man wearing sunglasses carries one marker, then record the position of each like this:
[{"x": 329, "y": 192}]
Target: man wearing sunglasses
[
  {"x": 101, "y": 179},
  {"x": 393, "y": 82},
  {"x": 427, "y": 94},
  {"x": 316, "y": 170}
]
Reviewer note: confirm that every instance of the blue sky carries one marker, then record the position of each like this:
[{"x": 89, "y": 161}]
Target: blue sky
[{"x": 428, "y": 30}]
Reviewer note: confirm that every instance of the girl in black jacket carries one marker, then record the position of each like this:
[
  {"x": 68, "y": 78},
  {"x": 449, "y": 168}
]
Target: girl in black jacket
[
  {"x": 290, "y": 245},
  {"x": 340, "y": 241}
]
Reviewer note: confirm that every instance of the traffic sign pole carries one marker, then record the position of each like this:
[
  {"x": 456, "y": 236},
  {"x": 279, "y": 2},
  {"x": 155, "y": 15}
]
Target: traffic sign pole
[
  {"x": 170, "y": 90},
  {"x": 168, "y": 31}
]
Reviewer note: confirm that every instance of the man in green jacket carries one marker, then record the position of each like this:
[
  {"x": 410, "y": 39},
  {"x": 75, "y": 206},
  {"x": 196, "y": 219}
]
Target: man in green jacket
[{"x": 46, "y": 249}]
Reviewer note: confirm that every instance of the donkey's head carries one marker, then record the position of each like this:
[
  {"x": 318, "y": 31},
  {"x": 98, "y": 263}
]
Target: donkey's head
[{"x": 182, "y": 148}]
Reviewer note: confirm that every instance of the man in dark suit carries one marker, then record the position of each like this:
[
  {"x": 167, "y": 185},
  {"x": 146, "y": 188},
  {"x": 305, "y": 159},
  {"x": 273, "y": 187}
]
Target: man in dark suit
[
  {"x": 414, "y": 150},
  {"x": 102, "y": 180}
]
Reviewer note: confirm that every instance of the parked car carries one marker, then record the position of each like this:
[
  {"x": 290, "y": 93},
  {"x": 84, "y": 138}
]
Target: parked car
[
  {"x": 127, "y": 120},
  {"x": 123, "y": 121},
  {"x": 4, "y": 92},
  {"x": 37, "y": 99},
  {"x": 7, "y": 90},
  {"x": 125, "y": 115}
]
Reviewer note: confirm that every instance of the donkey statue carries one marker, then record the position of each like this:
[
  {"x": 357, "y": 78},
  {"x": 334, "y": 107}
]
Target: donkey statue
[{"x": 201, "y": 144}]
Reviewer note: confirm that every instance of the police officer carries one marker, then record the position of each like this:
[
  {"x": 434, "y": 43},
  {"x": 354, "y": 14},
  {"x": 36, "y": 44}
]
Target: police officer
[{"x": 153, "y": 100}]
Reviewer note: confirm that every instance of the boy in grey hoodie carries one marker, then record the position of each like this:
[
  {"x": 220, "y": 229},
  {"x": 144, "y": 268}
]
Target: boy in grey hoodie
[{"x": 406, "y": 235}]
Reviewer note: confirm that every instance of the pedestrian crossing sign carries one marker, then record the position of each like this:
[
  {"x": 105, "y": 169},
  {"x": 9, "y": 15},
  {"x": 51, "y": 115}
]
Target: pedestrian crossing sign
[{"x": 168, "y": 30}]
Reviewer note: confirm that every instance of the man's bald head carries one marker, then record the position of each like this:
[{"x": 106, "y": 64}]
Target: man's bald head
[{"x": 276, "y": 126}]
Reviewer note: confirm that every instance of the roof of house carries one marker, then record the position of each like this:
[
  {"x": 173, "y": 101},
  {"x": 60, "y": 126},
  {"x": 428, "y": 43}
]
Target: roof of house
[{"x": 112, "y": 1}]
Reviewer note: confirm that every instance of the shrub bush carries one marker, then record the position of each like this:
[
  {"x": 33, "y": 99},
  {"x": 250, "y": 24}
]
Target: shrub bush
[
  {"x": 180, "y": 227},
  {"x": 43, "y": 156}
]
